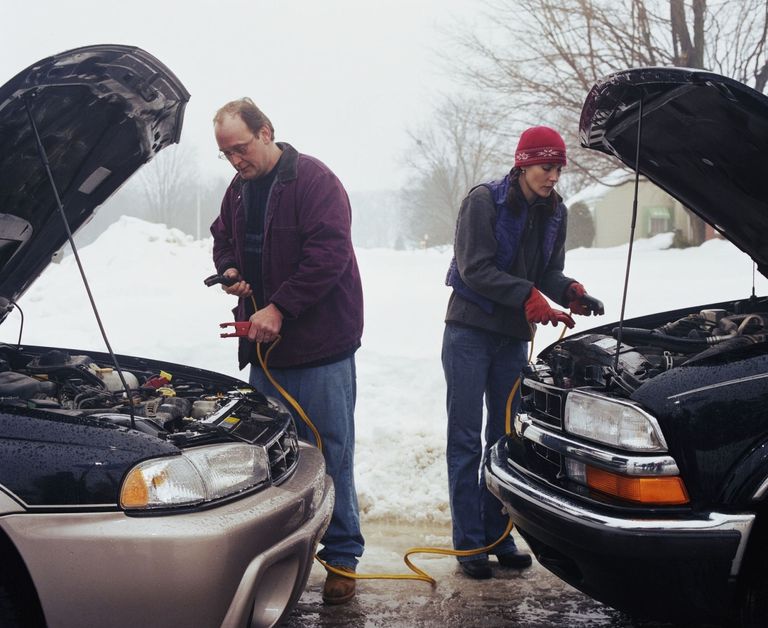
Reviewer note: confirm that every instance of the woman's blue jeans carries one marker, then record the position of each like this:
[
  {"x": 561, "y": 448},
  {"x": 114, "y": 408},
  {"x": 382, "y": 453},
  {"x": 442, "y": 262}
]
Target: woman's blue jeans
[
  {"x": 328, "y": 393},
  {"x": 477, "y": 364}
]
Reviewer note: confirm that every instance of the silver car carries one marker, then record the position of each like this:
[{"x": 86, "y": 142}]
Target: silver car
[{"x": 133, "y": 492}]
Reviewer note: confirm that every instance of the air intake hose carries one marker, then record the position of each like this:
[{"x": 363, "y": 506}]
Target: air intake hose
[{"x": 637, "y": 335}]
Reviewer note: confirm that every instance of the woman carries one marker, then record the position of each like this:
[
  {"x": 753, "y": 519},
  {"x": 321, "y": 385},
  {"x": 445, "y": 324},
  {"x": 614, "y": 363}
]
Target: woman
[{"x": 509, "y": 248}]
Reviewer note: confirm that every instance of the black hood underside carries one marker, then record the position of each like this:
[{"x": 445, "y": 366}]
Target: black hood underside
[
  {"x": 101, "y": 112},
  {"x": 704, "y": 141}
]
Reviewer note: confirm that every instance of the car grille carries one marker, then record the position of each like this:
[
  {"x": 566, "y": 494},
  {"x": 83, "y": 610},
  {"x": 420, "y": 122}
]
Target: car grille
[
  {"x": 548, "y": 455},
  {"x": 283, "y": 455},
  {"x": 543, "y": 402}
]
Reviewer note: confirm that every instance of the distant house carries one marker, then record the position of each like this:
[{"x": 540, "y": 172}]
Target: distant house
[{"x": 657, "y": 212}]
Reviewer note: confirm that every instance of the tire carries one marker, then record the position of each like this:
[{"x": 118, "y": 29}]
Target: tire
[
  {"x": 753, "y": 607},
  {"x": 19, "y": 604},
  {"x": 10, "y": 615}
]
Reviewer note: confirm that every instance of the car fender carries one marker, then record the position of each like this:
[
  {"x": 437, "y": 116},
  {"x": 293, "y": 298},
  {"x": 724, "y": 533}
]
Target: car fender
[
  {"x": 746, "y": 484},
  {"x": 8, "y": 505}
]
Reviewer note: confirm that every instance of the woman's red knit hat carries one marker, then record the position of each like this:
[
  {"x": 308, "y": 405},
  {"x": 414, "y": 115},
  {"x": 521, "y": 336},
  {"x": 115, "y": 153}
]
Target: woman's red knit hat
[{"x": 540, "y": 145}]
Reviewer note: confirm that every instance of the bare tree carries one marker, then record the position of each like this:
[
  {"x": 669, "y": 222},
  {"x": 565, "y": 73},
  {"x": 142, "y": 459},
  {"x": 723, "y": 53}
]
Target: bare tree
[
  {"x": 168, "y": 184},
  {"x": 463, "y": 145},
  {"x": 542, "y": 56}
]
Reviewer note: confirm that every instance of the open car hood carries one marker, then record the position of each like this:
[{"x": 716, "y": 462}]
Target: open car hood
[
  {"x": 704, "y": 140},
  {"x": 101, "y": 112}
]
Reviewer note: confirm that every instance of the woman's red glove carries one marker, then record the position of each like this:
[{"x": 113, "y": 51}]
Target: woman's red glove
[
  {"x": 575, "y": 290},
  {"x": 573, "y": 294},
  {"x": 538, "y": 310}
]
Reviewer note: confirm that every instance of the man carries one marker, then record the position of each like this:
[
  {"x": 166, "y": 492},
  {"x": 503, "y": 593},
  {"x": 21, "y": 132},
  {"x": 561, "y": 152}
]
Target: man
[{"x": 284, "y": 235}]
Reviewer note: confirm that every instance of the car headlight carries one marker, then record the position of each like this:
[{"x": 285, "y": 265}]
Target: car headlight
[
  {"x": 198, "y": 475},
  {"x": 616, "y": 423}
]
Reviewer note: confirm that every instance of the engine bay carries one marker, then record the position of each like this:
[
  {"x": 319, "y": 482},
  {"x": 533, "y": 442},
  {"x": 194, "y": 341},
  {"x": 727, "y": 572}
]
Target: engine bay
[
  {"x": 591, "y": 359},
  {"x": 182, "y": 407}
]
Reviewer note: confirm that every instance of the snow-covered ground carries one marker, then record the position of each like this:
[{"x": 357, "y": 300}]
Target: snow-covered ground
[{"x": 148, "y": 283}]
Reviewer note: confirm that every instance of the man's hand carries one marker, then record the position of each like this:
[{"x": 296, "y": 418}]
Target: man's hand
[
  {"x": 240, "y": 288},
  {"x": 581, "y": 303},
  {"x": 538, "y": 310},
  {"x": 265, "y": 324}
]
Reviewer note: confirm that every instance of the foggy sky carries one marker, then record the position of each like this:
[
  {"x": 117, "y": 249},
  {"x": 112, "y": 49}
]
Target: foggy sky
[{"x": 340, "y": 79}]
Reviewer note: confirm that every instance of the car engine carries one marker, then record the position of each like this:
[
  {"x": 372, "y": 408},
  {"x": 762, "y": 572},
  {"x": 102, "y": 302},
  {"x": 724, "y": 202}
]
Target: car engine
[
  {"x": 590, "y": 360},
  {"x": 180, "y": 407}
]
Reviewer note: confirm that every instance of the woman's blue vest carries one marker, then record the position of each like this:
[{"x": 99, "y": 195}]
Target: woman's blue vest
[{"x": 510, "y": 225}]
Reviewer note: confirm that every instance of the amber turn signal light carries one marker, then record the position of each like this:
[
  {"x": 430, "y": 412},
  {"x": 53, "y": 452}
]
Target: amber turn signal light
[
  {"x": 665, "y": 490},
  {"x": 135, "y": 493}
]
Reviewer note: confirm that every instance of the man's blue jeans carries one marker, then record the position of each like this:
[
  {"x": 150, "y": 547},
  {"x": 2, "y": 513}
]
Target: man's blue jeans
[
  {"x": 327, "y": 393},
  {"x": 477, "y": 363}
]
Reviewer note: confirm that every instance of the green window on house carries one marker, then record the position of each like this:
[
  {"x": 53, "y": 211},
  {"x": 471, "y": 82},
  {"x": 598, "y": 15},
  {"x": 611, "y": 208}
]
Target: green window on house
[{"x": 659, "y": 220}]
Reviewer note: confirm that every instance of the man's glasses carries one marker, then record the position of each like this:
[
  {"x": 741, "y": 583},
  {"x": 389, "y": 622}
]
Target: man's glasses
[{"x": 237, "y": 149}]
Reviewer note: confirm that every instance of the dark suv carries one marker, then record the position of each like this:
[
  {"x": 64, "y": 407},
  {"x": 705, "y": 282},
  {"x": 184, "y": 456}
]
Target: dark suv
[
  {"x": 637, "y": 469},
  {"x": 156, "y": 494}
]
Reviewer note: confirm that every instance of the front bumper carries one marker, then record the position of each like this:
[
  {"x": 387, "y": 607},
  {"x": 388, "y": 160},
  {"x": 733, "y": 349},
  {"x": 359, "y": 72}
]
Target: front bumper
[
  {"x": 644, "y": 564},
  {"x": 244, "y": 563}
]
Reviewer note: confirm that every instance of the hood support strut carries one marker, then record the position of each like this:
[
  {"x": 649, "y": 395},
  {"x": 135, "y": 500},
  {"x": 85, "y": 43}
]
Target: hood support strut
[
  {"x": 631, "y": 235},
  {"x": 46, "y": 165}
]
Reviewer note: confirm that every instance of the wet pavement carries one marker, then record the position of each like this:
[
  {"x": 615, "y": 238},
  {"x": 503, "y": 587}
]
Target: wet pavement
[{"x": 532, "y": 597}]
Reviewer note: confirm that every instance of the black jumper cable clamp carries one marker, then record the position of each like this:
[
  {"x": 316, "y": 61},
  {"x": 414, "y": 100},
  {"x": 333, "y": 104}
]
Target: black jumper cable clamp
[{"x": 214, "y": 279}]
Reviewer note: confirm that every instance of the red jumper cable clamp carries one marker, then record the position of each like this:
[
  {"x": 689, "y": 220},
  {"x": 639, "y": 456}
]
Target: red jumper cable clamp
[{"x": 241, "y": 329}]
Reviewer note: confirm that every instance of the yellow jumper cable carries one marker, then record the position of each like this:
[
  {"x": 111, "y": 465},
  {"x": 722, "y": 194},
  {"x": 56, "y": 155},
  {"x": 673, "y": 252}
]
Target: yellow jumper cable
[{"x": 419, "y": 574}]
